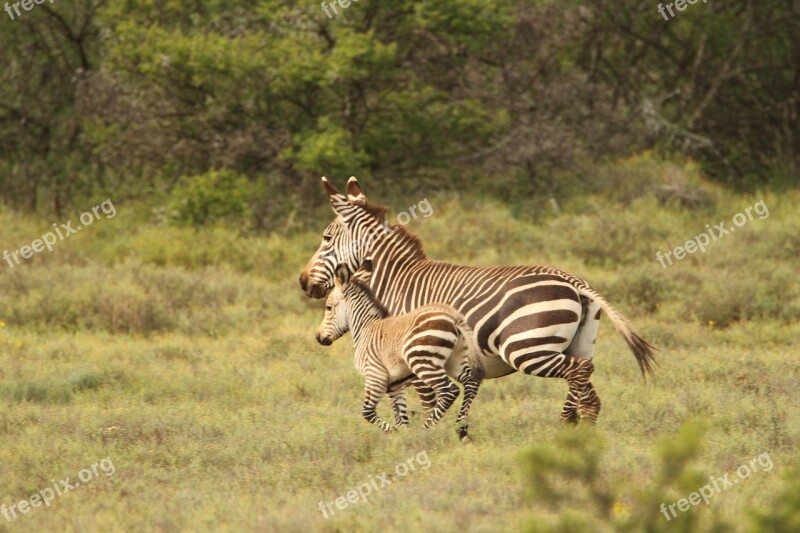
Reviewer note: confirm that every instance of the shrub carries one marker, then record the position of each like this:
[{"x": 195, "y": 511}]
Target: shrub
[
  {"x": 218, "y": 195},
  {"x": 641, "y": 175}
]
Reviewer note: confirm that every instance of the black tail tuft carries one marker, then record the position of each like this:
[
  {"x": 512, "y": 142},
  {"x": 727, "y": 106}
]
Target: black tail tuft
[{"x": 643, "y": 351}]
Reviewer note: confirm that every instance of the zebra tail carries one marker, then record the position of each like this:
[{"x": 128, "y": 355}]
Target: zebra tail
[
  {"x": 642, "y": 350},
  {"x": 473, "y": 349}
]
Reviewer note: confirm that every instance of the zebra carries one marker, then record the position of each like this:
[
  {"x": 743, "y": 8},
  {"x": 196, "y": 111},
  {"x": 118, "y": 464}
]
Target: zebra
[
  {"x": 536, "y": 319},
  {"x": 428, "y": 343}
]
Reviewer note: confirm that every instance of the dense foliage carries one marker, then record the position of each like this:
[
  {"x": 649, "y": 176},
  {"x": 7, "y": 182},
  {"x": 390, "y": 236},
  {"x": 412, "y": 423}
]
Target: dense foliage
[{"x": 515, "y": 97}]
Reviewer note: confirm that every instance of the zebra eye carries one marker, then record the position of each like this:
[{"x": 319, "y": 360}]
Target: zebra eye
[
  {"x": 326, "y": 238},
  {"x": 328, "y": 307}
]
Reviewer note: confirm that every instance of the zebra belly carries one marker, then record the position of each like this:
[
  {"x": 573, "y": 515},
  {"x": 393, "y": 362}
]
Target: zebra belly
[
  {"x": 494, "y": 367},
  {"x": 395, "y": 365},
  {"x": 398, "y": 372}
]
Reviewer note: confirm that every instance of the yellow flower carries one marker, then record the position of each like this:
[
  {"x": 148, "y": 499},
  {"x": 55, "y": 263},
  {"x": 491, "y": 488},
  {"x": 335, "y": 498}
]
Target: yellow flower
[
  {"x": 2, "y": 324},
  {"x": 621, "y": 509}
]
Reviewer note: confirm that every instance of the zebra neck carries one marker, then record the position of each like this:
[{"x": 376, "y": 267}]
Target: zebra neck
[
  {"x": 363, "y": 314},
  {"x": 394, "y": 243},
  {"x": 397, "y": 249},
  {"x": 390, "y": 263}
]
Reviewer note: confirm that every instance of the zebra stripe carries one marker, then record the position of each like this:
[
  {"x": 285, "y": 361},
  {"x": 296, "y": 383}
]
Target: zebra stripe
[
  {"x": 535, "y": 319},
  {"x": 429, "y": 343}
]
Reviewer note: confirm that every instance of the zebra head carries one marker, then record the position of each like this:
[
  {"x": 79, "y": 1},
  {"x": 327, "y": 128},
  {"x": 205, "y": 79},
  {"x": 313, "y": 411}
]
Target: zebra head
[
  {"x": 335, "y": 323},
  {"x": 346, "y": 241},
  {"x": 350, "y": 305}
]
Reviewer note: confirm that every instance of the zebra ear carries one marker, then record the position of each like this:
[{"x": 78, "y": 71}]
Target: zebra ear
[
  {"x": 336, "y": 199},
  {"x": 342, "y": 274},
  {"x": 355, "y": 194}
]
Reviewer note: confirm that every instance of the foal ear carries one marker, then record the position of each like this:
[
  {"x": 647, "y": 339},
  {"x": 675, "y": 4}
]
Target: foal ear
[
  {"x": 342, "y": 274},
  {"x": 336, "y": 199},
  {"x": 355, "y": 194}
]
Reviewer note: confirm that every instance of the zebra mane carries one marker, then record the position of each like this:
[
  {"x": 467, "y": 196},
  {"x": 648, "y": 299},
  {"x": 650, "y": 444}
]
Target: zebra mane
[
  {"x": 412, "y": 240},
  {"x": 378, "y": 212}
]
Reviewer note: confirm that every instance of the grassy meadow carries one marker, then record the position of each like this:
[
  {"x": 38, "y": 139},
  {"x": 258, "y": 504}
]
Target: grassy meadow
[{"x": 186, "y": 356}]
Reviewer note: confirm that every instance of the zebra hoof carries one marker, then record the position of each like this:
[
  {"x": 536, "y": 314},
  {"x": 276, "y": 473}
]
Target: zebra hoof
[{"x": 571, "y": 420}]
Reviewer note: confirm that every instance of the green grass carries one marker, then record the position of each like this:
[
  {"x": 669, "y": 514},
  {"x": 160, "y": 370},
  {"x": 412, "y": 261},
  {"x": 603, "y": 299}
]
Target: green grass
[{"x": 188, "y": 358}]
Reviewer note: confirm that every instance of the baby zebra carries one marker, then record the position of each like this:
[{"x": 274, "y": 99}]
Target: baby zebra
[{"x": 429, "y": 343}]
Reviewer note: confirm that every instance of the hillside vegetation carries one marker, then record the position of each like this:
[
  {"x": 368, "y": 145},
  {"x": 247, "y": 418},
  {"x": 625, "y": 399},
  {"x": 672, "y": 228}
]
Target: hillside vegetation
[{"x": 186, "y": 355}]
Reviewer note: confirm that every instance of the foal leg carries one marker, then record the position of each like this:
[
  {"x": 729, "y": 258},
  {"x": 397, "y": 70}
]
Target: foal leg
[
  {"x": 374, "y": 389},
  {"x": 447, "y": 392},
  {"x": 398, "y": 398},
  {"x": 431, "y": 370},
  {"x": 427, "y": 395},
  {"x": 466, "y": 378}
]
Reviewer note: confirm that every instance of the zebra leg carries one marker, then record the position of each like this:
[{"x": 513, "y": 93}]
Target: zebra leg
[
  {"x": 577, "y": 376},
  {"x": 582, "y": 345},
  {"x": 374, "y": 389},
  {"x": 590, "y": 404},
  {"x": 427, "y": 346},
  {"x": 398, "y": 397},
  {"x": 426, "y": 395},
  {"x": 569, "y": 414},
  {"x": 471, "y": 385},
  {"x": 447, "y": 392},
  {"x": 552, "y": 364}
]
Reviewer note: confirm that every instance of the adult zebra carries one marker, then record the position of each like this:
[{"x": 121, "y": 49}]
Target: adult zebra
[{"x": 535, "y": 319}]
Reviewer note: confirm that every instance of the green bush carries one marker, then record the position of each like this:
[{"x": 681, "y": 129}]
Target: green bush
[
  {"x": 785, "y": 513},
  {"x": 672, "y": 184},
  {"x": 218, "y": 195},
  {"x": 569, "y": 477}
]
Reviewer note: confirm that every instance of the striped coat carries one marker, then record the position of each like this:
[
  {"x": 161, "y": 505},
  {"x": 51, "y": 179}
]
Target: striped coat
[
  {"x": 428, "y": 344},
  {"x": 534, "y": 319}
]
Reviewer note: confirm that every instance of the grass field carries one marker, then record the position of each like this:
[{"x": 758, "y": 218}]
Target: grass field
[{"x": 187, "y": 359}]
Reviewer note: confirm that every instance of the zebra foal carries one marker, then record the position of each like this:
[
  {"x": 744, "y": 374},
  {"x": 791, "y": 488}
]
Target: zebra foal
[{"x": 427, "y": 344}]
